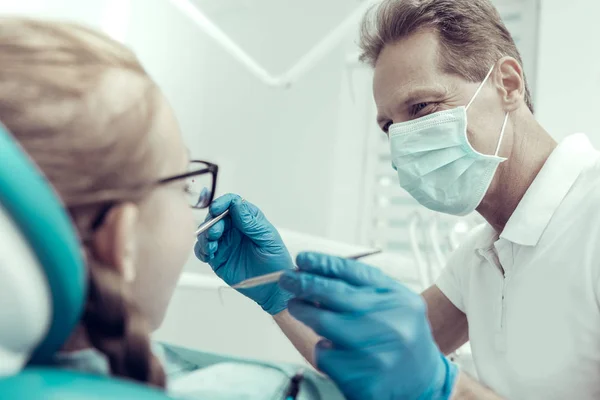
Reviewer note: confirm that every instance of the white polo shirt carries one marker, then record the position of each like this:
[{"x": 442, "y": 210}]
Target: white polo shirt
[{"x": 535, "y": 330}]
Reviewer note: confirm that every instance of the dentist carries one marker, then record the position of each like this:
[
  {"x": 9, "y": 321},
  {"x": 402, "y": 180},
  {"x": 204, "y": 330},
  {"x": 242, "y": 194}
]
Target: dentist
[{"x": 524, "y": 288}]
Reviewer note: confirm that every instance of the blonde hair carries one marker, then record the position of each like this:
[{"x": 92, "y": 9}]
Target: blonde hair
[
  {"x": 471, "y": 32},
  {"x": 52, "y": 77}
]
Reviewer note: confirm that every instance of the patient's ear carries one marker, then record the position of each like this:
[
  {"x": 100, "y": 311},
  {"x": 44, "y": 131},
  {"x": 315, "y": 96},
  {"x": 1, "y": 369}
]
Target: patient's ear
[{"x": 115, "y": 241}]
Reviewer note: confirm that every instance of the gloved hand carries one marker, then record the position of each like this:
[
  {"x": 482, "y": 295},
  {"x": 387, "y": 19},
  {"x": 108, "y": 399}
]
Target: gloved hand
[
  {"x": 378, "y": 342},
  {"x": 245, "y": 245}
]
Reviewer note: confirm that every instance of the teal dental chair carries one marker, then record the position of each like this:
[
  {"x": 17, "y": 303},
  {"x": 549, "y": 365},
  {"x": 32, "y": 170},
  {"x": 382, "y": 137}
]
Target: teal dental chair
[{"x": 42, "y": 290}]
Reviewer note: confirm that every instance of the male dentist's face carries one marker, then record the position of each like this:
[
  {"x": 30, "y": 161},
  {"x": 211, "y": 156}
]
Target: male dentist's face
[{"x": 410, "y": 83}]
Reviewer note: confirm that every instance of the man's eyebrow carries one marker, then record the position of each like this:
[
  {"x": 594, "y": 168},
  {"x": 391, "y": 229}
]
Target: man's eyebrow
[
  {"x": 423, "y": 94},
  {"x": 416, "y": 95}
]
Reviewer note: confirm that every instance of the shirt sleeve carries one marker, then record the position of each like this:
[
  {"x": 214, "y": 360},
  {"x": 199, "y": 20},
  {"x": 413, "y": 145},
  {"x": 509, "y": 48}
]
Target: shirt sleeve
[{"x": 449, "y": 284}]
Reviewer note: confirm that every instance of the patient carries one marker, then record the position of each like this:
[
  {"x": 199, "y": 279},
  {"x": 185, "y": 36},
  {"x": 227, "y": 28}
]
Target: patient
[{"x": 85, "y": 110}]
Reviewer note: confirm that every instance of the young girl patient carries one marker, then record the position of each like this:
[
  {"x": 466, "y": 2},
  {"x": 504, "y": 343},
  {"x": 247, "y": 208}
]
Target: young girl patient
[{"x": 87, "y": 113}]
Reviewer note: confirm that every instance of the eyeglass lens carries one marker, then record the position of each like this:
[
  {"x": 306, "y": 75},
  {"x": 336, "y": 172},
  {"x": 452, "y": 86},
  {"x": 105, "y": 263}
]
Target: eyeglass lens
[{"x": 199, "y": 187}]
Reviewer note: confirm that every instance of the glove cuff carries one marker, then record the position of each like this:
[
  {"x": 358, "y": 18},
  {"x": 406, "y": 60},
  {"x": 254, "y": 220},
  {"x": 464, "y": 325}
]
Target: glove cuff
[
  {"x": 277, "y": 301},
  {"x": 444, "y": 392},
  {"x": 452, "y": 372}
]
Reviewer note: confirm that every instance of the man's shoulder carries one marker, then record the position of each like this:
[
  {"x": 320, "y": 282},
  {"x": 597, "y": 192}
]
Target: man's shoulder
[{"x": 587, "y": 186}]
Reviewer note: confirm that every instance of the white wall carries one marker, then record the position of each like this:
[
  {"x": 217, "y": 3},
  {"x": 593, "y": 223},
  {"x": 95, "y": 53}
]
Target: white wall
[
  {"x": 568, "y": 78},
  {"x": 275, "y": 147}
]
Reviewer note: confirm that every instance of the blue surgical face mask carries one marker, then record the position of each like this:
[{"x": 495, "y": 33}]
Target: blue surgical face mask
[{"x": 437, "y": 165}]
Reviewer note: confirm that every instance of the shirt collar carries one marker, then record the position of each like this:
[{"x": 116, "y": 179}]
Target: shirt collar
[
  {"x": 533, "y": 214},
  {"x": 485, "y": 239}
]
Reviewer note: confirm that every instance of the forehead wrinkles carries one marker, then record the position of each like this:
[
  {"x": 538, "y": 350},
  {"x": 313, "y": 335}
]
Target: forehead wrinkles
[{"x": 409, "y": 63}]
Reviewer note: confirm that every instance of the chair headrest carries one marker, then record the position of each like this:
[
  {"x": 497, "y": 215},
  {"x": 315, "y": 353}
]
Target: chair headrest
[
  {"x": 42, "y": 272},
  {"x": 56, "y": 384}
]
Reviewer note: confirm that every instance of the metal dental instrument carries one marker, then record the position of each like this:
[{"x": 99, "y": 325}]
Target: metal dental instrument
[
  {"x": 210, "y": 223},
  {"x": 259, "y": 281},
  {"x": 364, "y": 255},
  {"x": 275, "y": 276}
]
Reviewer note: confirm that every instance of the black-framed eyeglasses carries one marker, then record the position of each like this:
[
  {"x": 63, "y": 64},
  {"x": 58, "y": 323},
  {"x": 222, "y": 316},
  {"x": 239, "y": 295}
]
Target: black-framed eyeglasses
[{"x": 201, "y": 183}]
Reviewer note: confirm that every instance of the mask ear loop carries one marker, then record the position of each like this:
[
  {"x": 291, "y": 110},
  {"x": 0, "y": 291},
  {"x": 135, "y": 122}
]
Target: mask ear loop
[
  {"x": 505, "y": 118},
  {"x": 502, "y": 134},
  {"x": 480, "y": 87}
]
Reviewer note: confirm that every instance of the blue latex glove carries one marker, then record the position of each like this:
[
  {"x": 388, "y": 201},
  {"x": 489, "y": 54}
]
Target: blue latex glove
[
  {"x": 378, "y": 339},
  {"x": 244, "y": 245}
]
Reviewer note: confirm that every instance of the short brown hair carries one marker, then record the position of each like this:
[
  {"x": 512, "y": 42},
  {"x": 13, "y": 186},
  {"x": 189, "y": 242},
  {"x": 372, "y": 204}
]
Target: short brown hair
[{"x": 471, "y": 32}]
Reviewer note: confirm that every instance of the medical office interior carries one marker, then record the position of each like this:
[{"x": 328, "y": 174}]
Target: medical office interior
[{"x": 273, "y": 92}]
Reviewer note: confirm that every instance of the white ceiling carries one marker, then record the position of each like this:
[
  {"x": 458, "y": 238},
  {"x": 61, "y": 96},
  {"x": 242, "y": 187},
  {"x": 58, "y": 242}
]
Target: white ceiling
[{"x": 277, "y": 32}]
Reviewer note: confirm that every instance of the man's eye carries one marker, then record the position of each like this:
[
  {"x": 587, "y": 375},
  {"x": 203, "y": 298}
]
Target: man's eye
[{"x": 417, "y": 108}]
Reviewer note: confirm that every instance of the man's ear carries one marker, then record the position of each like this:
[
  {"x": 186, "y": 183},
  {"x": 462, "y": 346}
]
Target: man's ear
[
  {"x": 115, "y": 241},
  {"x": 511, "y": 83}
]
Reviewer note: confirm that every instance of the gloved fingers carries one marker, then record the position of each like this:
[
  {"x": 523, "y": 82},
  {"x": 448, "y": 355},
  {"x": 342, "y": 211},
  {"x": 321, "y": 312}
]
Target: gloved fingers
[
  {"x": 203, "y": 238},
  {"x": 249, "y": 220},
  {"x": 222, "y": 255},
  {"x": 332, "y": 294},
  {"x": 344, "y": 330},
  {"x": 211, "y": 248},
  {"x": 350, "y": 271},
  {"x": 217, "y": 230},
  {"x": 339, "y": 364},
  {"x": 220, "y": 204},
  {"x": 329, "y": 359},
  {"x": 200, "y": 254},
  {"x": 207, "y": 242},
  {"x": 214, "y": 240},
  {"x": 205, "y": 250}
]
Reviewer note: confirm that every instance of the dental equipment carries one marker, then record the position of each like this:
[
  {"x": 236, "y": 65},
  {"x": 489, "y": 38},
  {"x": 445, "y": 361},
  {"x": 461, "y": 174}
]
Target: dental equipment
[
  {"x": 364, "y": 255},
  {"x": 275, "y": 276},
  {"x": 210, "y": 223},
  {"x": 259, "y": 280}
]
